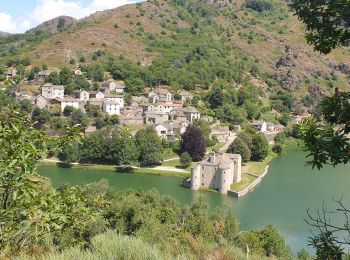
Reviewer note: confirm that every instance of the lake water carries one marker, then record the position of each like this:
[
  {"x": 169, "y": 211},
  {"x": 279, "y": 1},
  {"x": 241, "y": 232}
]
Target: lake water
[{"x": 281, "y": 199}]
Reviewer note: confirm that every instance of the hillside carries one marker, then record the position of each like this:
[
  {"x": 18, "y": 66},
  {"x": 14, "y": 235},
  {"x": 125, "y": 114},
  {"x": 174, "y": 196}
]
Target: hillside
[{"x": 186, "y": 40}]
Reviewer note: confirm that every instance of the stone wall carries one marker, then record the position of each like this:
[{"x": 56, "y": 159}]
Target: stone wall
[{"x": 251, "y": 186}]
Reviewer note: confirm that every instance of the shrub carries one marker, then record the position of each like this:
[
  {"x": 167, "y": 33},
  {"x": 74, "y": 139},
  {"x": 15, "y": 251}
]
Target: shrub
[
  {"x": 277, "y": 148},
  {"x": 185, "y": 159}
]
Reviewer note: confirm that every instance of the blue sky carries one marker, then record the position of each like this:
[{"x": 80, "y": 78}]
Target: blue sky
[{"x": 21, "y": 15}]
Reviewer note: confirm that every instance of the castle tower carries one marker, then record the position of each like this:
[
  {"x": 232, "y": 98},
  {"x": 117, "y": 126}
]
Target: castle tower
[
  {"x": 196, "y": 177},
  {"x": 225, "y": 175}
]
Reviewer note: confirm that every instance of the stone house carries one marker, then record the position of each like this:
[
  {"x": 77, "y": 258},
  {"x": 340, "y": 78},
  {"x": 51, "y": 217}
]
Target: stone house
[
  {"x": 115, "y": 98},
  {"x": 10, "y": 73},
  {"x": 155, "y": 118},
  {"x": 108, "y": 85},
  {"x": 83, "y": 95},
  {"x": 119, "y": 86},
  {"x": 96, "y": 102},
  {"x": 51, "y": 91},
  {"x": 192, "y": 114},
  {"x": 72, "y": 102},
  {"x": 165, "y": 131},
  {"x": 218, "y": 172},
  {"x": 222, "y": 133},
  {"x": 160, "y": 96},
  {"x": 132, "y": 115},
  {"x": 260, "y": 125},
  {"x": 111, "y": 107},
  {"x": 96, "y": 95},
  {"x": 41, "y": 101},
  {"x": 185, "y": 95},
  {"x": 180, "y": 127},
  {"x": 42, "y": 75}
]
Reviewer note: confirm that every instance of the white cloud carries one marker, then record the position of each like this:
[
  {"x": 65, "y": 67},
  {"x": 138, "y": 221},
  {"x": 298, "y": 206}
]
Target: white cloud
[
  {"x": 7, "y": 24},
  {"x": 48, "y": 9}
]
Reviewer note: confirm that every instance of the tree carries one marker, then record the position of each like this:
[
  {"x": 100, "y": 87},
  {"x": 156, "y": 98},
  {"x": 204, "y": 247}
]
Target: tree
[
  {"x": 239, "y": 147},
  {"x": 123, "y": 149},
  {"x": 204, "y": 126},
  {"x": 68, "y": 110},
  {"x": 216, "y": 97},
  {"x": 185, "y": 159},
  {"x": 150, "y": 146},
  {"x": 327, "y": 22},
  {"x": 70, "y": 153},
  {"x": 53, "y": 78},
  {"x": 79, "y": 118},
  {"x": 65, "y": 76},
  {"x": 277, "y": 148},
  {"x": 61, "y": 23},
  {"x": 259, "y": 147},
  {"x": 280, "y": 138},
  {"x": 27, "y": 210},
  {"x": 193, "y": 142},
  {"x": 247, "y": 138},
  {"x": 40, "y": 117},
  {"x": 327, "y": 138}
]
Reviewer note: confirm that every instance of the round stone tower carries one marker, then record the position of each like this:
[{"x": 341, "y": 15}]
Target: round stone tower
[
  {"x": 195, "y": 178},
  {"x": 225, "y": 177}
]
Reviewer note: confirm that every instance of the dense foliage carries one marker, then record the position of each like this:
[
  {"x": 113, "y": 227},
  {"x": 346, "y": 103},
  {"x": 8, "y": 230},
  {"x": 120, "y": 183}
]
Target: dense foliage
[
  {"x": 250, "y": 145},
  {"x": 327, "y": 22},
  {"x": 327, "y": 139}
]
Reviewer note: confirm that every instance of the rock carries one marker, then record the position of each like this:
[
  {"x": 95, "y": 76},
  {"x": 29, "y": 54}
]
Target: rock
[
  {"x": 315, "y": 92},
  {"x": 288, "y": 59},
  {"x": 342, "y": 67}
]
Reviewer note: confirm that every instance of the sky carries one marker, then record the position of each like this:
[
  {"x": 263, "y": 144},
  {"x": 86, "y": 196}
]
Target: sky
[{"x": 17, "y": 16}]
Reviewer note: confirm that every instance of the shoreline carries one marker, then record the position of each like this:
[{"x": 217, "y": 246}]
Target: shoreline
[
  {"x": 258, "y": 177},
  {"x": 116, "y": 169}
]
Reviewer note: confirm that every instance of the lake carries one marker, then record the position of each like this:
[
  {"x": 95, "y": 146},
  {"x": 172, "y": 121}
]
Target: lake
[{"x": 281, "y": 199}]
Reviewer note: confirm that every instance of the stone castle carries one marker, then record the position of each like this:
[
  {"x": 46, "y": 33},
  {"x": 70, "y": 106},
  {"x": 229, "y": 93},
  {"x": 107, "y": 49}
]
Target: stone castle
[{"x": 218, "y": 172}]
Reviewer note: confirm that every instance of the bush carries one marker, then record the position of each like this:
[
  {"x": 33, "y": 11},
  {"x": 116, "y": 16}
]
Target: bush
[
  {"x": 280, "y": 138},
  {"x": 277, "y": 148},
  {"x": 239, "y": 147},
  {"x": 185, "y": 159}
]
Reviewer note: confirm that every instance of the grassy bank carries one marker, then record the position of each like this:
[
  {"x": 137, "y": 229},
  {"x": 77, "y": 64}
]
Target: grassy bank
[
  {"x": 258, "y": 168},
  {"x": 111, "y": 168}
]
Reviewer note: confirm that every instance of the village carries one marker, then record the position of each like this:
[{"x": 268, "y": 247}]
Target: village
[
  {"x": 158, "y": 107},
  {"x": 169, "y": 113}
]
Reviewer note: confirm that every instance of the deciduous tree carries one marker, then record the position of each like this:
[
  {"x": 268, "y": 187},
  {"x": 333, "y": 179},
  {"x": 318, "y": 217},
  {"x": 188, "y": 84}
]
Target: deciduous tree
[{"x": 193, "y": 142}]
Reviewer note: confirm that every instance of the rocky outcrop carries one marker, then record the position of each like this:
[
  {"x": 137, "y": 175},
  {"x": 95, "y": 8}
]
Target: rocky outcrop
[
  {"x": 342, "y": 67},
  {"x": 288, "y": 59},
  {"x": 315, "y": 92}
]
